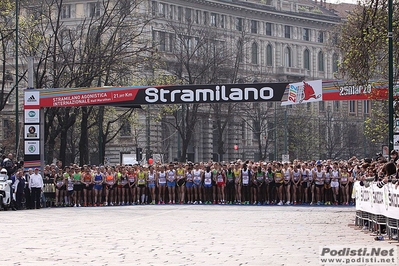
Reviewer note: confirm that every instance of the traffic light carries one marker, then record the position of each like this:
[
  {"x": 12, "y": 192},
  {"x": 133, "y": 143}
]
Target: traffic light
[{"x": 139, "y": 154}]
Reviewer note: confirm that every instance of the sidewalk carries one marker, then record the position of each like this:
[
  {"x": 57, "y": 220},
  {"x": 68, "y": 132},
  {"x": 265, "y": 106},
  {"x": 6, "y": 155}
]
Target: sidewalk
[{"x": 178, "y": 235}]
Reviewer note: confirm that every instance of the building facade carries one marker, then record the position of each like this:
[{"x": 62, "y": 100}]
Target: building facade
[{"x": 254, "y": 41}]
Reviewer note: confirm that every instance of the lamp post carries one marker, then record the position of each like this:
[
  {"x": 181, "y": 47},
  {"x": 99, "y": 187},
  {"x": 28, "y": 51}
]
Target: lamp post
[
  {"x": 16, "y": 77},
  {"x": 390, "y": 75}
]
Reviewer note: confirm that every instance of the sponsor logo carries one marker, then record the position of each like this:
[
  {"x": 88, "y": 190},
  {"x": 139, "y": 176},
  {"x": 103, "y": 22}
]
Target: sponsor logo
[
  {"x": 31, "y": 99},
  {"x": 218, "y": 94},
  {"x": 31, "y": 113},
  {"x": 31, "y": 148}
]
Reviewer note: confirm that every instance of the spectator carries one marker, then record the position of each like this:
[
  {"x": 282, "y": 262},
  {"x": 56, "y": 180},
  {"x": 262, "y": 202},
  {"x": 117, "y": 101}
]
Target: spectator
[{"x": 19, "y": 188}]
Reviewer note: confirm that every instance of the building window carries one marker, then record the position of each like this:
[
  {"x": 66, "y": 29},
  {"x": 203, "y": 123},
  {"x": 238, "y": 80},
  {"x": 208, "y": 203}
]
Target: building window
[
  {"x": 335, "y": 63},
  {"x": 287, "y": 57},
  {"x": 254, "y": 26},
  {"x": 162, "y": 10},
  {"x": 179, "y": 13},
  {"x": 306, "y": 59},
  {"x": 254, "y": 54},
  {"x": 322, "y": 106},
  {"x": 126, "y": 130},
  {"x": 320, "y": 61},
  {"x": 162, "y": 41},
  {"x": 366, "y": 107},
  {"x": 268, "y": 28},
  {"x": 171, "y": 12},
  {"x": 154, "y": 8},
  {"x": 205, "y": 18},
  {"x": 306, "y": 34},
  {"x": 7, "y": 127},
  {"x": 66, "y": 11},
  {"x": 240, "y": 51},
  {"x": 171, "y": 42},
  {"x": 223, "y": 21},
  {"x": 188, "y": 15},
  {"x": 287, "y": 32},
  {"x": 214, "y": 19},
  {"x": 336, "y": 106},
  {"x": 320, "y": 37},
  {"x": 94, "y": 9},
  {"x": 335, "y": 39},
  {"x": 269, "y": 55},
  {"x": 239, "y": 24},
  {"x": 352, "y": 107}
]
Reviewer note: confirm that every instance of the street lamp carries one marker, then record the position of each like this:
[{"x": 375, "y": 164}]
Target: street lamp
[
  {"x": 390, "y": 74},
  {"x": 16, "y": 77}
]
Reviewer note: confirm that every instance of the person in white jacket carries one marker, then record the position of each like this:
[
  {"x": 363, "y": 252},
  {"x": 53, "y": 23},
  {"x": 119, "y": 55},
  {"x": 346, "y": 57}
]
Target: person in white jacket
[{"x": 36, "y": 187}]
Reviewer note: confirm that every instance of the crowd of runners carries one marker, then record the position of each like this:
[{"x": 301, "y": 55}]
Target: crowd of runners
[{"x": 241, "y": 182}]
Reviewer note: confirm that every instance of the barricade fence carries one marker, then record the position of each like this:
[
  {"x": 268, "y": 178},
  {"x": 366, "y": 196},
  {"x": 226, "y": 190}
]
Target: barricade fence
[{"x": 377, "y": 209}]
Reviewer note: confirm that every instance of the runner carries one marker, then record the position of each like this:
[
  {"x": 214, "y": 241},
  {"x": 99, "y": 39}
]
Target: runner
[
  {"x": 237, "y": 183},
  {"x": 335, "y": 178},
  {"x": 180, "y": 182},
  {"x": 161, "y": 184},
  {"x": 230, "y": 185},
  {"x": 123, "y": 187},
  {"x": 245, "y": 177},
  {"x": 318, "y": 177},
  {"x": 77, "y": 187},
  {"x": 220, "y": 182},
  {"x": 296, "y": 183},
  {"x": 59, "y": 183},
  {"x": 304, "y": 183},
  {"x": 189, "y": 183},
  {"x": 109, "y": 187},
  {"x": 207, "y": 176},
  {"x": 327, "y": 186},
  {"x": 269, "y": 185},
  {"x": 98, "y": 185},
  {"x": 287, "y": 183},
  {"x": 132, "y": 176},
  {"x": 344, "y": 184},
  {"x": 141, "y": 185},
  {"x": 171, "y": 181},
  {"x": 279, "y": 180},
  {"x": 151, "y": 182},
  {"x": 197, "y": 183},
  {"x": 87, "y": 180}
]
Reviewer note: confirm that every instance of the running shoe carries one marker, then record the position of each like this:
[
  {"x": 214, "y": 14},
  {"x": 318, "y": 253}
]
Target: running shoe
[
  {"x": 74, "y": 205},
  {"x": 195, "y": 202},
  {"x": 318, "y": 203},
  {"x": 95, "y": 205},
  {"x": 112, "y": 204},
  {"x": 200, "y": 202},
  {"x": 294, "y": 202},
  {"x": 287, "y": 203}
]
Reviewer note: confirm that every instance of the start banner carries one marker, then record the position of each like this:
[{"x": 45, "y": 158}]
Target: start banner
[{"x": 381, "y": 201}]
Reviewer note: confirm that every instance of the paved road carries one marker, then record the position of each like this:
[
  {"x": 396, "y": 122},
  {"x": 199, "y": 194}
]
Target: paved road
[{"x": 177, "y": 235}]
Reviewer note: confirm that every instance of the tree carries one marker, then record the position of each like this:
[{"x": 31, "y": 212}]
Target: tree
[
  {"x": 102, "y": 48},
  {"x": 199, "y": 57},
  {"x": 364, "y": 45},
  {"x": 305, "y": 140}
]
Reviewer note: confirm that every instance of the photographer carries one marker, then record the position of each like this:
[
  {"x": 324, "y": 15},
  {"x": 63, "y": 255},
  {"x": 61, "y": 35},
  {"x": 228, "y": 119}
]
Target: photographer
[{"x": 389, "y": 171}]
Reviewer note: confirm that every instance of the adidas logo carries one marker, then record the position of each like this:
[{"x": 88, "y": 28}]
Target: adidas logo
[{"x": 31, "y": 99}]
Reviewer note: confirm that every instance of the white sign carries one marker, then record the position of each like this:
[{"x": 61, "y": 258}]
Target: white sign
[
  {"x": 396, "y": 142},
  {"x": 32, "y": 116},
  {"x": 396, "y": 125},
  {"x": 32, "y": 97},
  {"x": 32, "y": 132},
  {"x": 32, "y": 147},
  {"x": 286, "y": 158}
]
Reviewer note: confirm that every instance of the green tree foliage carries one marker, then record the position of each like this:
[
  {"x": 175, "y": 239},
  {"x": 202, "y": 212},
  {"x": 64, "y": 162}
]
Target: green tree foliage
[{"x": 102, "y": 46}]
